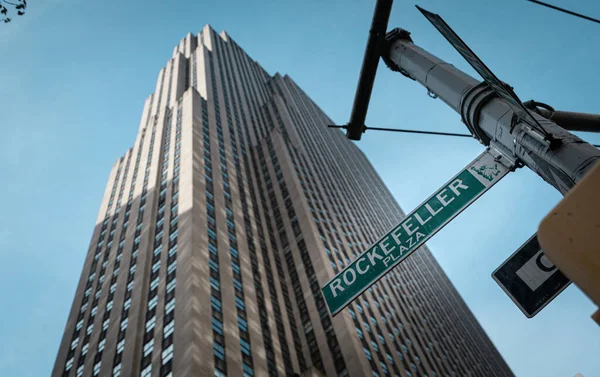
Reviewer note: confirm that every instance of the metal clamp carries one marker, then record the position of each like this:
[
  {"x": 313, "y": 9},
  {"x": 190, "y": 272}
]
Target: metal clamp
[
  {"x": 471, "y": 106},
  {"x": 503, "y": 156},
  {"x": 392, "y": 36}
]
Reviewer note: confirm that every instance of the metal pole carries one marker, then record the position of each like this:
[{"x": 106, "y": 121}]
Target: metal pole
[
  {"x": 491, "y": 120},
  {"x": 572, "y": 121},
  {"x": 375, "y": 44}
]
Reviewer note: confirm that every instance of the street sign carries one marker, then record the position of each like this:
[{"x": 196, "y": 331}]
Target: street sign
[
  {"x": 529, "y": 278},
  {"x": 502, "y": 90},
  {"x": 416, "y": 228}
]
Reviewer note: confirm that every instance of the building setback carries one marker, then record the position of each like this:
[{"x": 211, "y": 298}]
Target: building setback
[{"x": 219, "y": 226}]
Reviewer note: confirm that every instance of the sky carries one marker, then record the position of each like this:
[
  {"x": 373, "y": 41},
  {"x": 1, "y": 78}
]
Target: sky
[{"x": 75, "y": 74}]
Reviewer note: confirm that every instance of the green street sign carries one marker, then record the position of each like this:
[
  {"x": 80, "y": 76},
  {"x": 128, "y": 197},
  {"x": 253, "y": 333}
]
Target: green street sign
[{"x": 416, "y": 228}]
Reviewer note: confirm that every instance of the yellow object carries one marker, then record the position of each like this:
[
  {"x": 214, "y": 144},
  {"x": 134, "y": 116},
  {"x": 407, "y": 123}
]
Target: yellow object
[{"x": 570, "y": 236}]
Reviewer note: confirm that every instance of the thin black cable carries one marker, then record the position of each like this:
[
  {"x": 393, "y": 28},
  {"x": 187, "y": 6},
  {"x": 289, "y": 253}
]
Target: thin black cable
[
  {"x": 418, "y": 132},
  {"x": 565, "y": 11},
  {"x": 409, "y": 131}
]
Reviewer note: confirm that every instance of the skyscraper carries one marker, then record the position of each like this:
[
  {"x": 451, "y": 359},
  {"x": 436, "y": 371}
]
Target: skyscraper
[{"x": 219, "y": 226}]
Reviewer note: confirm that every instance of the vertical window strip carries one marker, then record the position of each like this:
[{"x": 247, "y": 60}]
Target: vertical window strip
[
  {"x": 247, "y": 361},
  {"x": 152, "y": 298},
  {"x": 90, "y": 280}
]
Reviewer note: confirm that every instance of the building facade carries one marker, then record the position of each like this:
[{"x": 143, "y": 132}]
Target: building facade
[{"x": 219, "y": 226}]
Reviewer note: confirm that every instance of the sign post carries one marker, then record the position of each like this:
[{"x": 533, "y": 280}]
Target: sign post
[{"x": 415, "y": 229}]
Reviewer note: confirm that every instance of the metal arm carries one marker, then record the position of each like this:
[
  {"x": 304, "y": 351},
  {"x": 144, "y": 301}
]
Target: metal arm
[
  {"x": 492, "y": 120},
  {"x": 375, "y": 45}
]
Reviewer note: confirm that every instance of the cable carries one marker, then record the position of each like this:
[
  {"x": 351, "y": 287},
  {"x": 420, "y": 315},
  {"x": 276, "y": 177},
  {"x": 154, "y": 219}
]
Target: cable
[
  {"x": 409, "y": 131},
  {"x": 565, "y": 11},
  {"x": 419, "y": 132},
  {"x": 533, "y": 105},
  {"x": 544, "y": 106}
]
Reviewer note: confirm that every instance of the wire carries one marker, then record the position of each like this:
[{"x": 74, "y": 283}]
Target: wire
[
  {"x": 543, "y": 106},
  {"x": 409, "y": 131},
  {"x": 565, "y": 11},
  {"x": 418, "y": 132}
]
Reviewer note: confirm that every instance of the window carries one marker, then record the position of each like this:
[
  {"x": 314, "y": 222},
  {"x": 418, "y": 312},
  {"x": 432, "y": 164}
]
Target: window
[
  {"x": 101, "y": 345},
  {"x": 248, "y": 371},
  {"x": 359, "y": 332},
  {"x": 147, "y": 372},
  {"x": 215, "y": 303},
  {"x": 171, "y": 286},
  {"x": 242, "y": 324},
  {"x": 215, "y": 283},
  {"x": 217, "y": 326},
  {"x": 152, "y": 303},
  {"x": 167, "y": 354},
  {"x": 218, "y": 351},
  {"x": 97, "y": 368},
  {"x": 117, "y": 370},
  {"x": 170, "y": 306},
  {"x": 173, "y": 250},
  {"x": 245, "y": 346},
  {"x": 240, "y": 303},
  {"x": 234, "y": 251},
  {"x": 148, "y": 347},
  {"x": 121, "y": 346},
  {"x": 150, "y": 323},
  {"x": 154, "y": 283},
  {"x": 168, "y": 329},
  {"x": 237, "y": 284}
]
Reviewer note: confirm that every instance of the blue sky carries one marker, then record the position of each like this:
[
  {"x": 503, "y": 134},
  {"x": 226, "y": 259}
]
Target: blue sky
[{"x": 75, "y": 75}]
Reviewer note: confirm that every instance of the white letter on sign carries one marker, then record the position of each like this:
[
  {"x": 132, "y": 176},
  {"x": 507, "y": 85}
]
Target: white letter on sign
[
  {"x": 442, "y": 198},
  {"x": 385, "y": 246},
  {"x": 348, "y": 282},
  {"x": 360, "y": 270},
  {"x": 407, "y": 227},
  {"x": 336, "y": 284},
  {"x": 373, "y": 255},
  {"x": 454, "y": 186}
]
